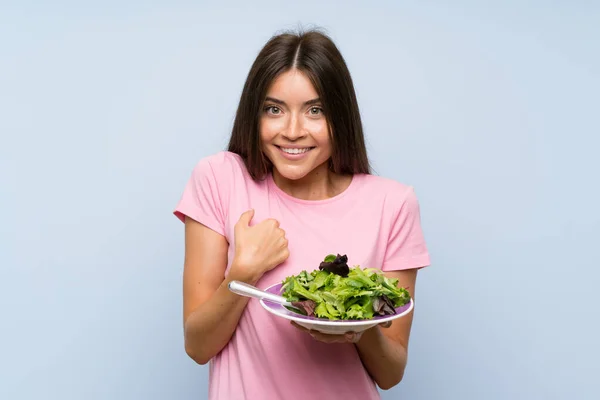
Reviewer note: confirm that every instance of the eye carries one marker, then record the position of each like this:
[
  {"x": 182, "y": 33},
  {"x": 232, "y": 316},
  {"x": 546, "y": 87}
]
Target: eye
[
  {"x": 274, "y": 110},
  {"x": 315, "y": 110}
]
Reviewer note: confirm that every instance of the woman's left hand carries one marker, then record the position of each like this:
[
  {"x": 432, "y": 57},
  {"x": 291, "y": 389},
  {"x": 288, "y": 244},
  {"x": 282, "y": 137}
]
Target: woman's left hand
[{"x": 348, "y": 337}]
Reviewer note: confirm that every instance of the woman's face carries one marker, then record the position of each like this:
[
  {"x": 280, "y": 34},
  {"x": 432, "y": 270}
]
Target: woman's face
[{"x": 294, "y": 132}]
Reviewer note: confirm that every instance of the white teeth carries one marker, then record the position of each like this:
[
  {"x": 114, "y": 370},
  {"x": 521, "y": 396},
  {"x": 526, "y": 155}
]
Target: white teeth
[{"x": 295, "y": 151}]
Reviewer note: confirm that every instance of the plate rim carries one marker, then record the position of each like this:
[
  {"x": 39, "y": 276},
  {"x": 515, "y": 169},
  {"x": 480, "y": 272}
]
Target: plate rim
[{"x": 323, "y": 322}]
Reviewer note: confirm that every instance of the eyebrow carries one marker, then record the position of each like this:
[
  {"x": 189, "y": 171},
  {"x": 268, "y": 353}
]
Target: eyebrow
[{"x": 281, "y": 102}]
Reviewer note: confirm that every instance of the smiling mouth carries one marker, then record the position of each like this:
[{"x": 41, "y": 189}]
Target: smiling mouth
[{"x": 289, "y": 150}]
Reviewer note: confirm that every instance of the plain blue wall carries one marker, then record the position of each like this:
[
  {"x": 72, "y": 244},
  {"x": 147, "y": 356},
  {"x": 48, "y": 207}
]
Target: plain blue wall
[{"x": 491, "y": 112}]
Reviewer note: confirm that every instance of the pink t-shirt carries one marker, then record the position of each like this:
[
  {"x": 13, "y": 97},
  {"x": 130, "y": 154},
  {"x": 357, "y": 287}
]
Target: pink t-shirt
[{"x": 375, "y": 222}]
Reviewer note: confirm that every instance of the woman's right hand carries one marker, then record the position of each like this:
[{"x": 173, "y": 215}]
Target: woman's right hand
[{"x": 258, "y": 248}]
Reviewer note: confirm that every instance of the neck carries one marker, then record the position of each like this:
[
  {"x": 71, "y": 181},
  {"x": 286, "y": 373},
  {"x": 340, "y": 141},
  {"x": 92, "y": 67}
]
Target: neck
[{"x": 320, "y": 184}]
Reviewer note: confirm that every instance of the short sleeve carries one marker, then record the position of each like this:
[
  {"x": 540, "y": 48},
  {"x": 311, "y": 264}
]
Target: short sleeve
[
  {"x": 406, "y": 248},
  {"x": 201, "y": 200}
]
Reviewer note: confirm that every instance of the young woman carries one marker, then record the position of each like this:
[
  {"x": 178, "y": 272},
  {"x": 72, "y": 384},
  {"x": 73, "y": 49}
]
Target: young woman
[{"x": 294, "y": 186}]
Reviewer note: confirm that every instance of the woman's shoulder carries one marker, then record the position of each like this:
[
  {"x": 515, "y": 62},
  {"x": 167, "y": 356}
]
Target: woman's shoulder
[
  {"x": 221, "y": 159},
  {"x": 394, "y": 198},
  {"x": 221, "y": 165},
  {"x": 386, "y": 187}
]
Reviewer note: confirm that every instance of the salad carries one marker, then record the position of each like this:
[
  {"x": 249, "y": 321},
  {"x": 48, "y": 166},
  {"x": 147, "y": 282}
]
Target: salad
[{"x": 337, "y": 292}]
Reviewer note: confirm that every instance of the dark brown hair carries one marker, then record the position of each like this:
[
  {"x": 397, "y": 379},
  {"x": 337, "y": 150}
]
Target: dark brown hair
[{"x": 315, "y": 54}]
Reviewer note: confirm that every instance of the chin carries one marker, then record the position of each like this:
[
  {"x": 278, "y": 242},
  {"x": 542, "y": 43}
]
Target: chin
[{"x": 292, "y": 174}]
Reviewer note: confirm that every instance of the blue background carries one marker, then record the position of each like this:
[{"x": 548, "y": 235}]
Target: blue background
[{"x": 490, "y": 110}]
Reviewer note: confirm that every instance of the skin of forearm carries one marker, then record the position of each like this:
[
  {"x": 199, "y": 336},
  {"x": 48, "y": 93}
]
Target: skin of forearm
[
  {"x": 384, "y": 359},
  {"x": 209, "y": 327}
]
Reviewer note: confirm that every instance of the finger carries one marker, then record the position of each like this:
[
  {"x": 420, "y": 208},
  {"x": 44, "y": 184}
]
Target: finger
[
  {"x": 322, "y": 337},
  {"x": 349, "y": 337},
  {"x": 284, "y": 254},
  {"x": 299, "y": 326},
  {"x": 315, "y": 334},
  {"x": 352, "y": 337},
  {"x": 272, "y": 222},
  {"x": 245, "y": 219},
  {"x": 283, "y": 242},
  {"x": 386, "y": 324}
]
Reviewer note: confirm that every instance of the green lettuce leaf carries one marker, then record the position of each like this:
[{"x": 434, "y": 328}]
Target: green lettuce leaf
[{"x": 359, "y": 295}]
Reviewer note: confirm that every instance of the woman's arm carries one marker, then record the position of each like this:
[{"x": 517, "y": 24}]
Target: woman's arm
[
  {"x": 211, "y": 311},
  {"x": 384, "y": 351}
]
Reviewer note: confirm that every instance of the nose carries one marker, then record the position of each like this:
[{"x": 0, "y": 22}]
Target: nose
[{"x": 294, "y": 129}]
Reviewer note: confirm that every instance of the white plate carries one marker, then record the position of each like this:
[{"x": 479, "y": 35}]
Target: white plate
[{"x": 326, "y": 325}]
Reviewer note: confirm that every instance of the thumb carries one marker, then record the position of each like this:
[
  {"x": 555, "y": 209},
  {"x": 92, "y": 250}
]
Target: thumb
[{"x": 246, "y": 217}]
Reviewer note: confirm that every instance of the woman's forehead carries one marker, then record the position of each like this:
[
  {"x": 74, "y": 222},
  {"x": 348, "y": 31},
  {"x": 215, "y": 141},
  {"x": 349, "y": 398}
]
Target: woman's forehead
[{"x": 293, "y": 87}]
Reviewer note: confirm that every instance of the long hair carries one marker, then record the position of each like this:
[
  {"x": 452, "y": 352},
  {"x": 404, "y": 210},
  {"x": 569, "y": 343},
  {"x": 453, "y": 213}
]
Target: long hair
[{"x": 314, "y": 54}]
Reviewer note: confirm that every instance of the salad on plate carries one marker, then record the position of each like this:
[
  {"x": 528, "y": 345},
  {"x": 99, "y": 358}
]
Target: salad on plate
[{"x": 337, "y": 292}]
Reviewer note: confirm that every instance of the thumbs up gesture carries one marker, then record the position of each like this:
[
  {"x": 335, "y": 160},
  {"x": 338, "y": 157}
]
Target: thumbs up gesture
[{"x": 258, "y": 248}]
